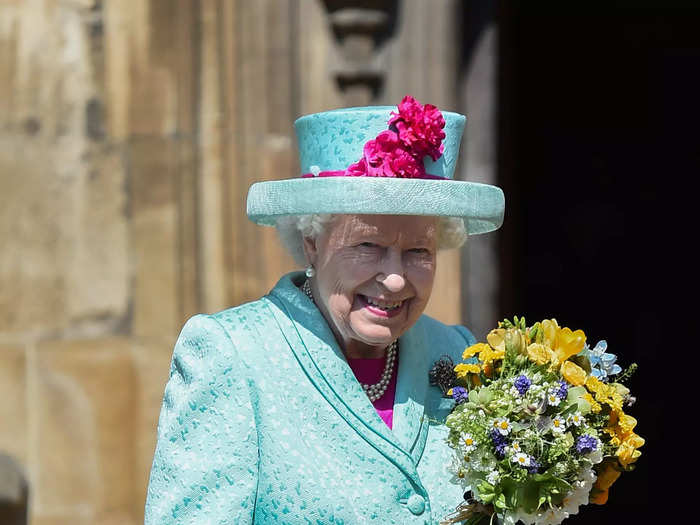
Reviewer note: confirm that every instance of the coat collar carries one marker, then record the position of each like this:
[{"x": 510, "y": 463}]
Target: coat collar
[{"x": 317, "y": 351}]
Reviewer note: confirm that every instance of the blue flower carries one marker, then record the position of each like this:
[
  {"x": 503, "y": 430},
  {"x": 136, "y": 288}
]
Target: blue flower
[
  {"x": 586, "y": 444},
  {"x": 602, "y": 363},
  {"x": 534, "y": 466},
  {"x": 563, "y": 389},
  {"x": 460, "y": 394},
  {"x": 522, "y": 384},
  {"x": 499, "y": 442}
]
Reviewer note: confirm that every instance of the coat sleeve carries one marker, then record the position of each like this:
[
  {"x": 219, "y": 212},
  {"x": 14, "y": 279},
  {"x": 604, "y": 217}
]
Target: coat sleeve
[{"x": 206, "y": 459}]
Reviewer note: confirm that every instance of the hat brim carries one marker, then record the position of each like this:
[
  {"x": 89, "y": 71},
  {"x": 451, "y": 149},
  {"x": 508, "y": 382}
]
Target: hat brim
[{"x": 480, "y": 205}]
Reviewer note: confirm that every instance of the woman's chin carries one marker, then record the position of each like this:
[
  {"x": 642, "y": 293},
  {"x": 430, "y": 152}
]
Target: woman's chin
[{"x": 373, "y": 334}]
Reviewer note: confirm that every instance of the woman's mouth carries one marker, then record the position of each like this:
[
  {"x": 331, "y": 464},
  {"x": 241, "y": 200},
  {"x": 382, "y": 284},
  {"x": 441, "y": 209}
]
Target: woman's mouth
[{"x": 380, "y": 307}]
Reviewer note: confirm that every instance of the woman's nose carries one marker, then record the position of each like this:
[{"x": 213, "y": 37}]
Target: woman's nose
[
  {"x": 392, "y": 275},
  {"x": 393, "y": 282}
]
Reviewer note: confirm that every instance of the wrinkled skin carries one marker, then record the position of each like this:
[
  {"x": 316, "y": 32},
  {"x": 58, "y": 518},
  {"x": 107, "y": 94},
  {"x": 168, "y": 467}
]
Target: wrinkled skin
[{"x": 374, "y": 276}]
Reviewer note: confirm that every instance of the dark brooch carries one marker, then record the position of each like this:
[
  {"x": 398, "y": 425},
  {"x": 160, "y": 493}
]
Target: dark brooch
[{"x": 442, "y": 374}]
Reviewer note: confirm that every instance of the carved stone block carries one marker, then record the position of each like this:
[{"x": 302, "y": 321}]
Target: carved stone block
[
  {"x": 85, "y": 406},
  {"x": 13, "y": 409}
]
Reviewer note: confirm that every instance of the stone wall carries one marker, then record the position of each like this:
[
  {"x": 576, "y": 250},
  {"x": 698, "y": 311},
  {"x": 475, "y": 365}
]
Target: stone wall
[{"x": 130, "y": 131}]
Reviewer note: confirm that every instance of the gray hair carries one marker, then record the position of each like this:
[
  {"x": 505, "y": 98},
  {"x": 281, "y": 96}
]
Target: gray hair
[{"x": 292, "y": 230}]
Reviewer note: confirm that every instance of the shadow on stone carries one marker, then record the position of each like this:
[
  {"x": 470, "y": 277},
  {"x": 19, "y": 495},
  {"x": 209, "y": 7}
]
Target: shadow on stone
[{"x": 14, "y": 493}]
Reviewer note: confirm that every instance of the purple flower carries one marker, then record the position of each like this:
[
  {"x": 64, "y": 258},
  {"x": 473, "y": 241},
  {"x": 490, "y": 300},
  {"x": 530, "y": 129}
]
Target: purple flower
[
  {"x": 497, "y": 437},
  {"x": 522, "y": 384},
  {"x": 563, "y": 390},
  {"x": 499, "y": 442},
  {"x": 534, "y": 466},
  {"x": 586, "y": 444},
  {"x": 460, "y": 394}
]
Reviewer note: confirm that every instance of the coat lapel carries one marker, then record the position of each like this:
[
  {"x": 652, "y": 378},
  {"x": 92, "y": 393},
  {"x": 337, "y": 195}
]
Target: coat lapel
[
  {"x": 315, "y": 348},
  {"x": 410, "y": 428}
]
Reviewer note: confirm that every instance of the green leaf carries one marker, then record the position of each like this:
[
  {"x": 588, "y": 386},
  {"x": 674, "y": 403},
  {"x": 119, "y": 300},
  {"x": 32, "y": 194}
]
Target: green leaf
[
  {"x": 528, "y": 496},
  {"x": 575, "y": 392},
  {"x": 582, "y": 361},
  {"x": 486, "y": 492},
  {"x": 500, "y": 502},
  {"x": 485, "y": 396},
  {"x": 568, "y": 439},
  {"x": 570, "y": 409},
  {"x": 575, "y": 395},
  {"x": 474, "y": 396},
  {"x": 510, "y": 490}
]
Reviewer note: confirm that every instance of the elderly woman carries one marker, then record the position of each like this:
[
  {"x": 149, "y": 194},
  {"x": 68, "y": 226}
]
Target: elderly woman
[{"x": 313, "y": 403}]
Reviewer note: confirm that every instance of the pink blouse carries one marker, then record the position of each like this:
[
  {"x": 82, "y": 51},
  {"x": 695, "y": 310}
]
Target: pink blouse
[{"x": 369, "y": 371}]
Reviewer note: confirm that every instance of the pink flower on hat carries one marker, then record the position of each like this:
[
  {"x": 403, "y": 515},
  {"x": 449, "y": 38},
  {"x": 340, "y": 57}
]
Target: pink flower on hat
[
  {"x": 405, "y": 165},
  {"x": 419, "y": 128},
  {"x": 386, "y": 156},
  {"x": 398, "y": 152}
]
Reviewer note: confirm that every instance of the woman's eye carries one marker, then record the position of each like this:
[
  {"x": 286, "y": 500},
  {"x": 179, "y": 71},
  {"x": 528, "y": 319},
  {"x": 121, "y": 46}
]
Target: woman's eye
[
  {"x": 368, "y": 245},
  {"x": 420, "y": 251}
]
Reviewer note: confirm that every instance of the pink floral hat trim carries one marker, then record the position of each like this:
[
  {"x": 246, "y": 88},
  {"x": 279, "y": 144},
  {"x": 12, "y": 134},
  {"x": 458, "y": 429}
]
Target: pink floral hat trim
[{"x": 415, "y": 132}]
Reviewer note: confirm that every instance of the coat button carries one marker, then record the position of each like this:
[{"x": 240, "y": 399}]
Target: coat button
[{"x": 416, "y": 504}]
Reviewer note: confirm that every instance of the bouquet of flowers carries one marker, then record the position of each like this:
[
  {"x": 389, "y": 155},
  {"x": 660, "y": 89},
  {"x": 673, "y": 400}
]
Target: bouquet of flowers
[{"x": 538, "y": 427}]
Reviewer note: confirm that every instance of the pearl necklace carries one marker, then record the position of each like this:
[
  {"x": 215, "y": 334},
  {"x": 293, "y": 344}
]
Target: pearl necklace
[{"x": 377, "y": 390}]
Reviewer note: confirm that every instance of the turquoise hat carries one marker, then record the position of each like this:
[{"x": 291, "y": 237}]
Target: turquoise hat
[{"x": 375, "y": 160}]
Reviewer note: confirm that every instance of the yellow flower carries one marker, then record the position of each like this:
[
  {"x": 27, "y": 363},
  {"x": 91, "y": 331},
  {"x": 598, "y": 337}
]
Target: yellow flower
[
  {"x": 488, "y": 355},
  {"x": 515, "y": 341},
  {"x": 562, "y": 341},
  {"x": 626, "y": 424},
  {"x": 463, "y": 369},
  {"x": 593, "y": 384},
  {"x": 568, "y": 343},
  {"x": 497, "y": 339},
  {"x": 470, "y": 351},
  {"x": 539, "y": 354},
  {"x": 620, "y": 429},
  {"x": 613, "y": 430},
  {"x": 605, "y": 393},
  {"x": 573, "y": 373},
  {"x": 550, "y": 328},
  {"x": 595, "y": 406},
  {"x": 627, "y": 451}
]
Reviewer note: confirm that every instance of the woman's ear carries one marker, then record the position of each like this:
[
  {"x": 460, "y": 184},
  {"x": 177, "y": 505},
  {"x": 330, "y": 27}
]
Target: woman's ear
[{"x": 310, "y": 250}]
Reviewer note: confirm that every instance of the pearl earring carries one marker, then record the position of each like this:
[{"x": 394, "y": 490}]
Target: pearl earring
[{"x": 310, "y": 272}]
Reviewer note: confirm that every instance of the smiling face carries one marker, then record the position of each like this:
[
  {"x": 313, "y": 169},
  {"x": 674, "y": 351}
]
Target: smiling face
[{"x": 374, "y": 275}]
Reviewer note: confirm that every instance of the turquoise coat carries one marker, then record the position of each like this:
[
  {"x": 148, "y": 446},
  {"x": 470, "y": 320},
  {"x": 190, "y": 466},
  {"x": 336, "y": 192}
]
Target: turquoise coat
[{"x": 263, "y": 421}]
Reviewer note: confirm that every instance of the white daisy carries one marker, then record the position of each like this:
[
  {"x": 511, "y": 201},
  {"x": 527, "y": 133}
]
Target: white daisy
[
  {"x": 469, "y": 443},
  {"x": 558, "y": 425},
  {"x": 521, "y": 459},
  {"x": 493, "y": 477},
  {"x": 553, "y": 399},
  {"x": 576, "y": 419},
  {"x": 502, "y": 425},
  {"x": 515, "y": 447}
]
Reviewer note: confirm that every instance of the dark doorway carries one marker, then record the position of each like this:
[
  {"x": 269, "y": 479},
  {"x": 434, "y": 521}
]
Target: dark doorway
[{"x": 598, "y": 142}]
